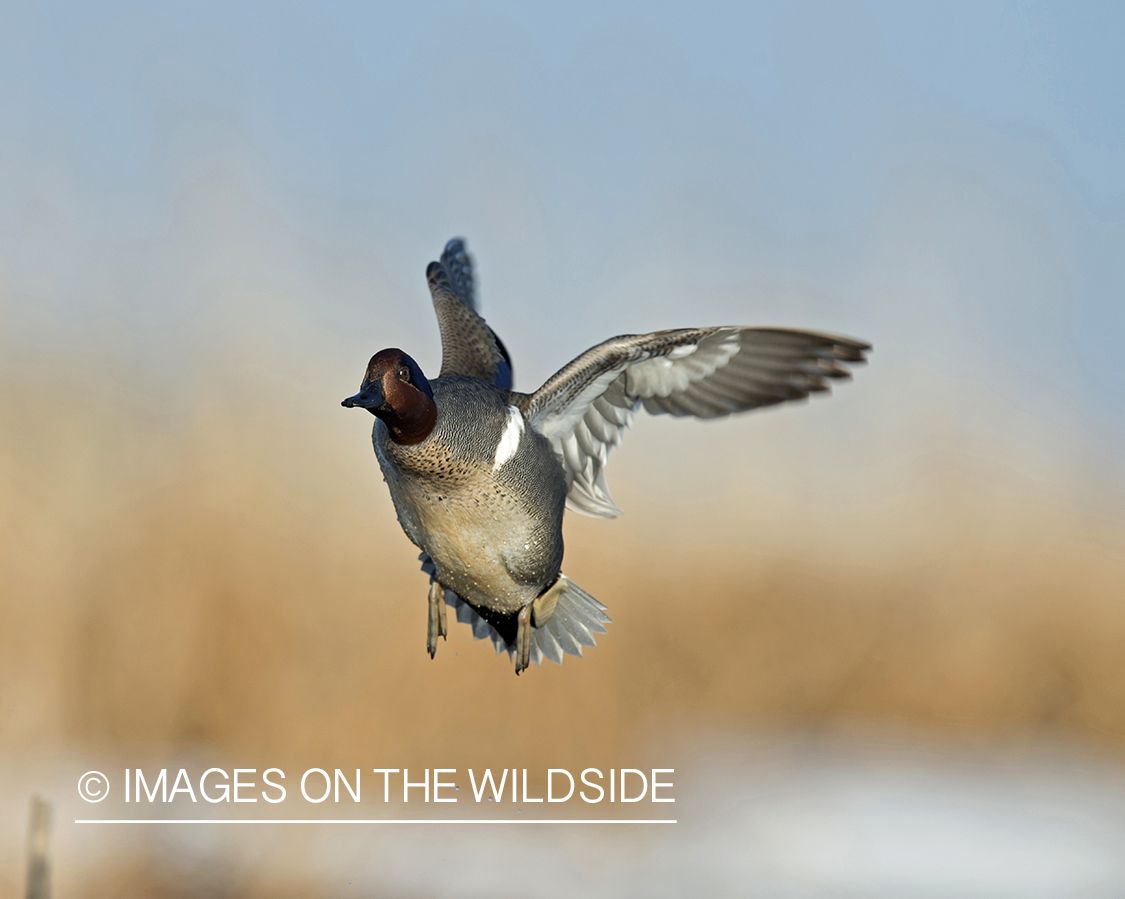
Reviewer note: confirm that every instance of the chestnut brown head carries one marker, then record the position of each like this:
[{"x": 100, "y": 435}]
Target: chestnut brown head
[{"x": 395, "y": 390}]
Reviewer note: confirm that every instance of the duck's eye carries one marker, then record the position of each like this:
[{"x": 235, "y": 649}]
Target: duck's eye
[{"x": 404, "y": 374}]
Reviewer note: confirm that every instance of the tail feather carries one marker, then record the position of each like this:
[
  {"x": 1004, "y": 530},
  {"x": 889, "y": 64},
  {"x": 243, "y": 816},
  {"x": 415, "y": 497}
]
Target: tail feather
[
  {"x": 577, "y": 617},
  {"x": 543, "y": 640}
]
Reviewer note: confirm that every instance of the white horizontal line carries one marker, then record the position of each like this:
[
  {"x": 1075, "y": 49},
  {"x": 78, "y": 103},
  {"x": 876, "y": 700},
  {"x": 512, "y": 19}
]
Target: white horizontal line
[{"x": 374, "y": 821}]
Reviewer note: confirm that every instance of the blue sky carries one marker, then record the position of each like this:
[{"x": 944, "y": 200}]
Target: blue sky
[
  {"x": 325, "y": 83},
  {"x": 946, "y": 180}
]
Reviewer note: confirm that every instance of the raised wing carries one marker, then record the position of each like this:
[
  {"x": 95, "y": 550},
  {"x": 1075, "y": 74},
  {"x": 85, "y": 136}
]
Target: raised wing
[
  {"x": 585, "y": 407},
  {"x": 469, "y": 347},
  {"x": 459, "y": 264}
]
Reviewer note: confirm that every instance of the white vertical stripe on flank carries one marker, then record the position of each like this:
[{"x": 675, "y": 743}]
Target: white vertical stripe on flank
[{"x": 510, "y": 439}]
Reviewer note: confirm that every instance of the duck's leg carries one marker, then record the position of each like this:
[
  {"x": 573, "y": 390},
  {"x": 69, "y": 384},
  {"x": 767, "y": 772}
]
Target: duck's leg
[
  {"x": 435, "y": 626},
  {"x": 523, "y": 638}
]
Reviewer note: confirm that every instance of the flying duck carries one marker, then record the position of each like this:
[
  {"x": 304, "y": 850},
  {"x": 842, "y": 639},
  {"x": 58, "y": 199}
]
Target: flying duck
[{"x": 480, "y": 473}]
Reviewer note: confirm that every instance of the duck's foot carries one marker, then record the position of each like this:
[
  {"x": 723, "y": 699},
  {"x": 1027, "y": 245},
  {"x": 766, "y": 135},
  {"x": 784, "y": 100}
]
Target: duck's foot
[
  {"x": 523, "y": 638},
  {"x": 544, "y": 607},
  {"x": 435, "y": 626}
]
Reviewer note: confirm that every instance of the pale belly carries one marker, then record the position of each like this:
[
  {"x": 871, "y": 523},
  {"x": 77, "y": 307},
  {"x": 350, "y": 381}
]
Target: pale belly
[{"x": 475, "y": 539}]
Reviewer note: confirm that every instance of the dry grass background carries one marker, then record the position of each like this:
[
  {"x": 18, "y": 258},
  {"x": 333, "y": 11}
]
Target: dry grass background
[
  {"x": 231, "y": 575},
  {"x": 220, "y": 571}
]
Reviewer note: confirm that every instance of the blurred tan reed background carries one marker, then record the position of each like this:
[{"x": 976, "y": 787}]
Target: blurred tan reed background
[
  {"x": 236, "y": 578},
  {"x": 213, "y": 565},
  {"x": 203, "y": 554}
]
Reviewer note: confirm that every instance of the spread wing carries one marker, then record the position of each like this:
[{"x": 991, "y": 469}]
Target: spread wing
[
  {"x": 585, "y": 407},
  {"x": 469, "y": 347}
]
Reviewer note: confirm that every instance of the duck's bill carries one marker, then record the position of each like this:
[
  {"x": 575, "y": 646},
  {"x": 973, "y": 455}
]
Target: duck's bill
[{"x": 370, "y": 397}]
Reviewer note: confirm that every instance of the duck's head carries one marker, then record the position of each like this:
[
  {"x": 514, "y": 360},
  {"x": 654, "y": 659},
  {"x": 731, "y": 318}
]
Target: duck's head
[{"x": 395, "y": 390}]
